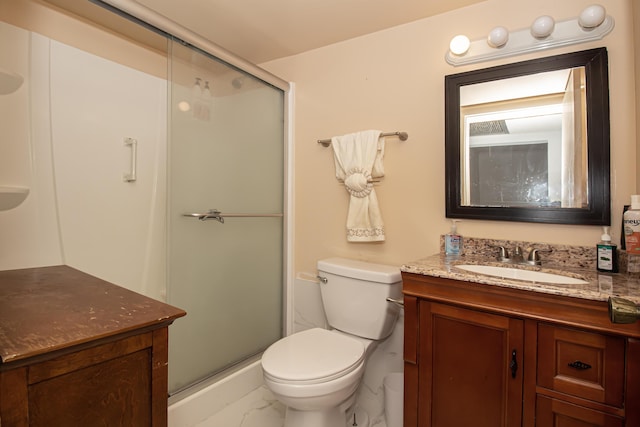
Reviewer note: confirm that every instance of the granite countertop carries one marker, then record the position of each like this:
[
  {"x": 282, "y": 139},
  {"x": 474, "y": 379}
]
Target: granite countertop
[{"x": 599, "y": 286}]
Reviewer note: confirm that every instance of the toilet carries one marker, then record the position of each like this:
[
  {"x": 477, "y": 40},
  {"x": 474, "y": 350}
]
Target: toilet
[{"x": 316, "y": 373}]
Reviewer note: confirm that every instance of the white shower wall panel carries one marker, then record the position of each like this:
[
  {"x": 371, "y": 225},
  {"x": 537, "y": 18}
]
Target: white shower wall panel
[
  {"x": 109, "y": 228},
  {"x": 14, "y": 109},
  {"x": 29, "y": 232}
]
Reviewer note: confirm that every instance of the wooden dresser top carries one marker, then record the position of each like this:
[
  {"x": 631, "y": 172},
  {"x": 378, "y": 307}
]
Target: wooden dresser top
[{"x": 47, "y": 309}]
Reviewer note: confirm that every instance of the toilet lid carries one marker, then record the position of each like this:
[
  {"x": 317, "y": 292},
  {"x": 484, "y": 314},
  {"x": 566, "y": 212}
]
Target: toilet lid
[{"x": 313, "y": 355}]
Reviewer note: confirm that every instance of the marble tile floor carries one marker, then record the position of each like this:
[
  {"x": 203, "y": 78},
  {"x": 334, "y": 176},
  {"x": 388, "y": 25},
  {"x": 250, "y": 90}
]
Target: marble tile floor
[{"x": 257, "y": 409}]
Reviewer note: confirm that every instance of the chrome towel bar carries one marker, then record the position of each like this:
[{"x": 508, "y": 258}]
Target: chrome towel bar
[{"x": 402, "y": 135}]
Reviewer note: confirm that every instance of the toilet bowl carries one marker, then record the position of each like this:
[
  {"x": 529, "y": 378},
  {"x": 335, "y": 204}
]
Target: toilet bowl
[
  {"x": 317, "y": 372},
  {"x": 314, "y": 368}
]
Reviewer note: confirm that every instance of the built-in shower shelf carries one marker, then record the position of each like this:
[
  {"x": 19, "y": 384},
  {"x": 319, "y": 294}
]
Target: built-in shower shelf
[
  {"x": 9, "y": 81},
  {"x": 10, "y": 197}
]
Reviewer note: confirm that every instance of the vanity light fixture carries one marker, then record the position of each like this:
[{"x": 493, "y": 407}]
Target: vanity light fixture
[
  {"x": 593, "y": 23},
  {"x": 459, "y": 45},
  {"x": 498, "y": 37},
  {"x": 592, "y": 16},
  {"x": 542, "y": 27}
]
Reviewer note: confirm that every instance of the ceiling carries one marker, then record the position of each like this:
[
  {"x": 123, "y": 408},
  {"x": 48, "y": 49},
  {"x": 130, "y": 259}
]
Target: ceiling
[{"x": 263, "y": 30}]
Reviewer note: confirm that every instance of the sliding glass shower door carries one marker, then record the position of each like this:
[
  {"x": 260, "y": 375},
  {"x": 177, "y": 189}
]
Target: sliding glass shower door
[{"x": 225, "y": 237}]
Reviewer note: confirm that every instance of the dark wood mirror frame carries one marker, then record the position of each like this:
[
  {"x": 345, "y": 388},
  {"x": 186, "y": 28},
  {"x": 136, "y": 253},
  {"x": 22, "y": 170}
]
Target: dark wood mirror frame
[{"x": 598, "y": 212}]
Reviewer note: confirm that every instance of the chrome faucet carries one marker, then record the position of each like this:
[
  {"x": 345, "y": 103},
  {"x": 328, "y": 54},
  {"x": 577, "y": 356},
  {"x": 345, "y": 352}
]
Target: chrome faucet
[{"x": 533, "y": 257}]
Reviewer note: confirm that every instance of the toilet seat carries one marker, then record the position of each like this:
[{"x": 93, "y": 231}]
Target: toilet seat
[{"x": 312, "y": 356}]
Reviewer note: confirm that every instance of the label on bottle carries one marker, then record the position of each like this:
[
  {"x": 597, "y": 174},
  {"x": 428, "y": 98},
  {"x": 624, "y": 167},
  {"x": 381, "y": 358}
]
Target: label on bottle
[
  {"x": 631, "y": 222},
  {"x": 452, "y": 243},
  {"x": 605, "y": 258}
]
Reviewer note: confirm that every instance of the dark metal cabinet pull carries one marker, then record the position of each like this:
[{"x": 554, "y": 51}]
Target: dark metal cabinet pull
[
  {"x": 514, "y": 364},
  {"x": 579, "y": 365}
]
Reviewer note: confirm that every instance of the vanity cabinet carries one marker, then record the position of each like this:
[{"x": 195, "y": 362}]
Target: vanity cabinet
[
  {"x": 473, "y": 374},
  {"x": 489, "y": 356},
  {"x": 78, "y": 351}
]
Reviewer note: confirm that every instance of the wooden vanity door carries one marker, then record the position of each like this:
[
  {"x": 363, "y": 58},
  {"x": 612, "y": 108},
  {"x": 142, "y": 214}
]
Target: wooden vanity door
[{"x": 470, "y": 368}]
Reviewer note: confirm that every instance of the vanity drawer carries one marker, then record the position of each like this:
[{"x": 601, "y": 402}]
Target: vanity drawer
[
  {"x": 583, "y": 364},
  {"x": 553, "y": 412}
]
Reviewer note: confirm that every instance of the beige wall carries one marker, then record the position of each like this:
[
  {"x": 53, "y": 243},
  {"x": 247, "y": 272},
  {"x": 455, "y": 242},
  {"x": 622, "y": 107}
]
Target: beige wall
[{"x": 393, "y": 80}]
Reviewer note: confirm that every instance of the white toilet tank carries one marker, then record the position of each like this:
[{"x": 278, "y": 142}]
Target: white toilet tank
[{"x": 355, "y": 296}]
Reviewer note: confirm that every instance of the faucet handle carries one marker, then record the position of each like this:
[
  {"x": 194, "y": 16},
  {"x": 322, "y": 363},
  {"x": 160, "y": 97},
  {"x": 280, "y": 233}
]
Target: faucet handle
[
  {"x": 534, "y": 255},
  {"x": 503, "y": 255}
]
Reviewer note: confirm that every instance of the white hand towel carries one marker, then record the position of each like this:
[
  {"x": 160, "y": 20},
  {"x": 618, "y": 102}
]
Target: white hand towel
[{"x": 358, "y": 158}]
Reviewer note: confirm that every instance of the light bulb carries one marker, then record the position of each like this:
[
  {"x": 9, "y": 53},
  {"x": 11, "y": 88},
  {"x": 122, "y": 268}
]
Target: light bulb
[
  {"x": 498, "y": 37},
  {"x": 459, "y": 45},
  {"x": 592, "y": 16},
  {"x": 542, "y": 27}
]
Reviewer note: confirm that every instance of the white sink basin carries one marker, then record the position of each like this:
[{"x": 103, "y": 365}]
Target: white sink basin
[{"x": 518, "y": 274}]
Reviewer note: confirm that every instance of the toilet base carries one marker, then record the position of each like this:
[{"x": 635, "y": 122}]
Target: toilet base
[
  {"x": 336, "y": 417},
  {"x": 330, "y": 418},
  {"x": 361, "y": 418}
]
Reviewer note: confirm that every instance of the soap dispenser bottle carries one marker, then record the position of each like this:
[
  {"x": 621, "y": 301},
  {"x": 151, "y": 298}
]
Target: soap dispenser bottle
[
  {"x": 453, "y": 241},
  {"x": 631, "y": 223},
  {"x": 607, "y": 253}
]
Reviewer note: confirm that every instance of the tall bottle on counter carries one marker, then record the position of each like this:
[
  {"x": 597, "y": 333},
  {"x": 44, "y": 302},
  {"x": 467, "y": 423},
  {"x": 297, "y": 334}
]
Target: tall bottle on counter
[
  {"x": 631, "y": 222},
  {"x": 453, "y": 242},
  {"x": 607, "y": 253}
]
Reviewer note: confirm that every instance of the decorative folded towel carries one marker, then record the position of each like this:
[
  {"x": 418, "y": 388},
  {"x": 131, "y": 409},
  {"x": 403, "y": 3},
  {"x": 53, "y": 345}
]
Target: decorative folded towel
[{"x": 358, "y": 158}]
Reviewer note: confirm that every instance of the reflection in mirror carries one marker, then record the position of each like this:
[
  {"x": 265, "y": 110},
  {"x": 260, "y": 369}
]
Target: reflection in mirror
[
  {"x": 530, "y": 141},
  {"x": 525, "y": 141}
]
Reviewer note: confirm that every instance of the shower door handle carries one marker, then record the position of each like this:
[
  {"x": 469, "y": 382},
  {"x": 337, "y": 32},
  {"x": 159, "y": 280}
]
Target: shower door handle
[
  {"x": 211, "y": 214},
  {"x": 219, "y": 216}
]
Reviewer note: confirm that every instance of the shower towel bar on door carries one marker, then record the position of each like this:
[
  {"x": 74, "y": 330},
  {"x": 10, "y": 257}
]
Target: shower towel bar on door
[{"x": 219, "y": 216}]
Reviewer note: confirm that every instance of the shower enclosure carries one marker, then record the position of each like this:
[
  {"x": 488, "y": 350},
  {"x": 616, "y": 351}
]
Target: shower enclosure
[
  {"x": 226, "y": 168},
  {"x": 224, "y": 148}
]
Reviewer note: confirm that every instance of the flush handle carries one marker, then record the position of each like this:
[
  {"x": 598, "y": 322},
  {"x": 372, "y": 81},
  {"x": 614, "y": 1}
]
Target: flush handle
[{"x": 398, "y": 302}]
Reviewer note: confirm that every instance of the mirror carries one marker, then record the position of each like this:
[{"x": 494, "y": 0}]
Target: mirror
[{"x": 529, "y": 141}]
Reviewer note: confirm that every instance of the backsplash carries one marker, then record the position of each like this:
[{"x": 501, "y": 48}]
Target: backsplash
[{"x": 560, "y": 255}]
